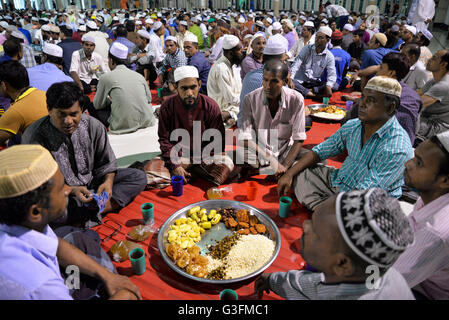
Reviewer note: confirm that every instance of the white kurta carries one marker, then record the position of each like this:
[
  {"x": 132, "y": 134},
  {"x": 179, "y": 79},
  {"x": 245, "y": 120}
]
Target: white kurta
[{"x": 224, "y": 86}]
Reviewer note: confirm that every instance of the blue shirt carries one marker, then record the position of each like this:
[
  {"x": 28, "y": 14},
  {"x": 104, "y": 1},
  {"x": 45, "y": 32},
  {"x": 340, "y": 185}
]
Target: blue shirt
[
  {"x": 251, "y": 82},
  {"x": 373, "y": 57},
  {"x": 397, "y": 44},
  {"x": 126, "y": 42},
  {"x": 27, "y": 34},
  {"x": 44, "y": 75},
  {"x": 203, "y": 66},
  {"x": 4, "y": 58},
  {"x": 377, "y": 164},
  {"x": 68, "y": 47},
  {"x": 342, "y": 61},
  {"x": 29, "y": 268}
]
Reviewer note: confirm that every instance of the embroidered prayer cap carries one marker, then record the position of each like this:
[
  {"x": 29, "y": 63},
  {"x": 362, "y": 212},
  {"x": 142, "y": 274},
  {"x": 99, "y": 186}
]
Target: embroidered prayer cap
[
  {"x": 191, "y": 38},
  {"x": 55, "y": 29},
  {"x": 444, "y": 139},
  {"x": 385, "y": 85},
  {"x": 184, "y": 23},
  {"x": 92, "y": 25},
  {"x": 149, "y": 21},
  {"x": 171, "y": 38},
  {"x": 144, "y": 34},
  {"x": 45, "y": 28},
  {"x": 412, "y": 29},
  {"x": 277, "y": 26},
  {"x": 157, "y": 25},
  {"x": 88, "y": 38},
  {"x": 326, "y": 30},
  {"x": 24, "y": 168},
  {"x": 288, "y": 23},
  {"x": 395, "y": 28},
  {"x": 337, "y": 35},
  {"x": 185, "y": 72},
  {"x": 325, "y": 21},
  {"x": 138, "y": 23},
  {"x": 382, "y": 38},
  {"x": 4, "y": 24},
  {"x": 18, "y": 35},
  {"x": 348, "y": 27},
  {"x": 260, "y": 24},
  {"x": 52, "y": 50},
  {"x": 82, "y": 28},
  {"x": 303, "y": 18},
  {"x": 275, "y": 45},
  {"x": 100, "y": 18},
  {"x": 230, "y": 41},
  {"x": 119, "y": 50},
  {"x": 269, "y": 20},
  {"x": 373, "y": 225}
]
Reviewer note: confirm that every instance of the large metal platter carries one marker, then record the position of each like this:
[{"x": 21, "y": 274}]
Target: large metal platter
[
  {"x": 324, "y": 115},
  {"x": 216, "y": 233}
]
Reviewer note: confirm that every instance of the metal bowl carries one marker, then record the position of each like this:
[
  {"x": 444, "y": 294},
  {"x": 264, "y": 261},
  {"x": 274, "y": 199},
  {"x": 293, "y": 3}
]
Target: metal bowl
[{"x": 216, "y": 233}]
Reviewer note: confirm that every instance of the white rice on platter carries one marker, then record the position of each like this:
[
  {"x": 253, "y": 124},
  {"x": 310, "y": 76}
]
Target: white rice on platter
[{"x": 248, "y": 254}]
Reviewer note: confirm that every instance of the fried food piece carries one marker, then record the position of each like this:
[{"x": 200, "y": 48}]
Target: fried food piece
[
  {"x": 242, "y": 216},
  {"x": 200, "y": 260},
  {"x": 260, "y": 228},
  {"x": 184, "y": 260},
  {"x": 243, "y": 231},
  {"x": 232, "y": 223},
  {"x": 252, "y": 230},
  {"x": 195, "y": 250},
  {"x": 174, "y": 251},
  {"x": 196, "y": 270},
  {"x": 243, "y": 225},
  {"x": 253, "y": 221}
]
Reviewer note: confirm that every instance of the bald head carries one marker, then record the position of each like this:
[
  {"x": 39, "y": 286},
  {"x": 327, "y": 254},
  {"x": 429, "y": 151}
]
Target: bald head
[{"x": 277, "y": 67}]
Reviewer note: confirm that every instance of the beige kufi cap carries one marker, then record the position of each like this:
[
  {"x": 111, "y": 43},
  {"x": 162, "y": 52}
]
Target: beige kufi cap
[
  {"x": 24, "y": 168},
  {"x": 385, "y": 85}
]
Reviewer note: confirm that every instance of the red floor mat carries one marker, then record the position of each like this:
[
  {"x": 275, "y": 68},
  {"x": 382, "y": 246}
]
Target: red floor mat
[{"x": 160, "y": 281}]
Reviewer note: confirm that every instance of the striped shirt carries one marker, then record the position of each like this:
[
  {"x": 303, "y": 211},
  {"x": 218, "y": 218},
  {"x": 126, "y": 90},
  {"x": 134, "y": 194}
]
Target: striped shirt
[
  {"x": 306, "y": 285},
  {"x": 377, "y": 164},
  {"x": 425, "y": 265}
]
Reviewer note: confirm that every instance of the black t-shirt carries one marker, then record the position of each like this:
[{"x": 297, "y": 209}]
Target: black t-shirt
[{"x": 356, "y": 51}]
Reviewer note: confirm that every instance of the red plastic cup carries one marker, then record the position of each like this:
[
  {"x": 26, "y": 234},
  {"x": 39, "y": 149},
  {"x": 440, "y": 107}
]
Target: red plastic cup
[{"x": 251, "y": 190}]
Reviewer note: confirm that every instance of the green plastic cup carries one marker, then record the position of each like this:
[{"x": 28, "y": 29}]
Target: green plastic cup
[
  {"x": 137, "y": 257},
  {"x": 326, "y": 101},
  {"x": 228, "y": 294},
  {"x": 147, "y": 212},
  {"x": 284, "y": 206}
]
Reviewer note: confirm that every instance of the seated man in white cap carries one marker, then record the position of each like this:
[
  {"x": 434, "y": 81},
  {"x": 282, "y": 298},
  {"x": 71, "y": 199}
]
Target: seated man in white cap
[
  {"x": 193, "y": 113},
  {"x": 254, "y": 54},
  {"x": 408, "y": 35},
  {"x": 311, "y": 63},
  {"x": 79, "y": 143},
  {"x": 423, "y": 39},
  {"x": 28, "y": 59},
  {"x": 196, "y": 30},
  {"x": 50, "y": 71},
  {"x": 350, "y": 246},
  {"x": 101, "y": 40},
  {"x": 277, "y": 28},
  {"x": 348, "y": 37},
  {"x": 242, "y": 29},
  {"x": 307, "y": 37},
  {"x": 183, "y": 33},
  {"x": 197, "y": 59},
  {"x": 87, "y": 65},
  {"x": 140, "y": 57},
  {"x": 377, "y": 147},
  {"x": 174, "y": 58},
  {"x": 155, "y": 45},
  {"x": 289, "y": 33},
  {"x": 425, "y": 264},
  {"x": 54, "y": 33},
  {"x": 42, "y": 34},
  {"x": 33, "y": 194},
  {"x": 276, "y": 107},
  {"x": 123, "y": 99},
  {"x": 224, "y": 83}
]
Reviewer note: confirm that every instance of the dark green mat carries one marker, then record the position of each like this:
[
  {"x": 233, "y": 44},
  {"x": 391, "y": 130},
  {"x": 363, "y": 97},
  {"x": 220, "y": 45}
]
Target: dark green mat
[{"x": 124, "y": 162}]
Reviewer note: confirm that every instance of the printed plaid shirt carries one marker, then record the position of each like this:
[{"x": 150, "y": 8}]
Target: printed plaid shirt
[
  {"x": 176, "y": 60},
  {"x": 28, "y": 60},
  {"x": 377, "y": 164}
]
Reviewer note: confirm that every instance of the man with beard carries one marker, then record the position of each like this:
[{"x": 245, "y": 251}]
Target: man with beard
[
  {"x": 224, "y": 83},
  {"x": 184, "y": 111},
  {"x": 33, "y": 194},
  {"x": 425, "y": 264},
  {"x": 348, "y": 235},
  {"x": 80, "y": 145}
]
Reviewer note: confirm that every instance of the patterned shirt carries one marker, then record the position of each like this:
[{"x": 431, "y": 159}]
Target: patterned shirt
[
  {"x": 251, "y": 82},
  {"x": 28, "y": 60},
  {"x": 425, "y": 265},
  {"x": 377, "y": 164},
  {"x": 176, "y": 60},
  {"x": 249, "y": 64}
]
